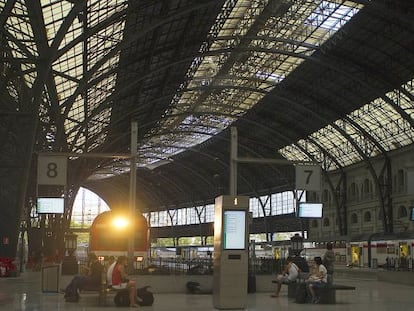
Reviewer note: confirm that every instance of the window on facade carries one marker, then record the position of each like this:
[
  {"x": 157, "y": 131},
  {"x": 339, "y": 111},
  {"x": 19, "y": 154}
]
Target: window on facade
[
  {"x": 282, "y": 203},
  {"x": 326, "y": 222},
  {"x": 254, "y": 207},
  {"x": 210, "y": 213},
  {"x": 192, "y": 216},
  {"x": 402, "y": 212},
  {"x": 367, "y": 216},
  {"x": 275, "y": 204},
  {"x": 354, "y": 218}
]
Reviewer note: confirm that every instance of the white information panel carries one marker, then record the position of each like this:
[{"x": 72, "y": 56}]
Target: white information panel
[
  {"x": 51, "y": 170},
  {"x": 308, "y": 177},
  {"x": 234, "y": 229}
]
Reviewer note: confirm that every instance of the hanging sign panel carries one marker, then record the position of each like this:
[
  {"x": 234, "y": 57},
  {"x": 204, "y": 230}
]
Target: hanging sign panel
[
  {"x": 51, "y": 170},
  {"x": 308, "y": 177}
]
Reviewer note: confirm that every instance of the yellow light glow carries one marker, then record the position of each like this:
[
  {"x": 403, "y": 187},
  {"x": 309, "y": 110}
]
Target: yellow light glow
[{"x": 120, "y": 222}]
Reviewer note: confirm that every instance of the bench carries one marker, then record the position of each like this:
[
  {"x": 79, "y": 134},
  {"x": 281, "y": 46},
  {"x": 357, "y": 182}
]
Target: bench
[
  {"x": 103, "y": 290},
  {"x": 292, "y": 287},
  {"x": 328, "y": 293}
]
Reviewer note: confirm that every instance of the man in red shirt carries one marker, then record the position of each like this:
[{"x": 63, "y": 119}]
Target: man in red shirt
[{"x": 120, "y": 280}]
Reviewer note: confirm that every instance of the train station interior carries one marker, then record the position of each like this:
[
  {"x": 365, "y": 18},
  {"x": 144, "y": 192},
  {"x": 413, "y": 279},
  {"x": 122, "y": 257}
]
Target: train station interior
[{"x": 289, "y": 120}]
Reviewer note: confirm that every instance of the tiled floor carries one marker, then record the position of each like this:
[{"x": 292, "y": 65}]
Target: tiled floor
[{"x": 24, "y": 293}]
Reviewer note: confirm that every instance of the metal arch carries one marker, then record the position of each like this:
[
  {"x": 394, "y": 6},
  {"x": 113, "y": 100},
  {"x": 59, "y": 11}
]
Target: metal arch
[
  {"x": 172, "y": 185},
  {"x": 381, "y": 7},
  {"x": 387, "y": 224},
  {"x": 5, "y": 13},
  {"x": 79, "y": 129},
  {"x": 195, "y": 173},
  {"x": 124, "y": 44},
  {"x": 40, "y": 37},
  {"x": 224, "y": 164},
  {"x": 221, "y": 51},
  {"x": 355, "y": 124},
  {"x": 205, "y": 54},
  {"x": 389, "y": 101}
]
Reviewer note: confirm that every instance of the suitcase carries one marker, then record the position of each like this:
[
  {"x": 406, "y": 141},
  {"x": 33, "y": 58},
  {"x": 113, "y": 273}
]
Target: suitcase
[{"x": 301, "y": 293}]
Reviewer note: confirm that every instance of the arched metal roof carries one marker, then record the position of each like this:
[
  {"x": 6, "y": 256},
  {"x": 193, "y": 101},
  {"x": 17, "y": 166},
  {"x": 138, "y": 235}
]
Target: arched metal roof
[{"x": 327, "y": 81}]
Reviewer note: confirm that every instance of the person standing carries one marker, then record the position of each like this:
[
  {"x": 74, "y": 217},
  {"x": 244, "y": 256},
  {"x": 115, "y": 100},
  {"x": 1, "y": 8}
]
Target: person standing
[{"x": 328, "y": 261}]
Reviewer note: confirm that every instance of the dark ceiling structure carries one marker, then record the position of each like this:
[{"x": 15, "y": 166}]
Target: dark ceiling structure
[{"x": 326, "y": 81}]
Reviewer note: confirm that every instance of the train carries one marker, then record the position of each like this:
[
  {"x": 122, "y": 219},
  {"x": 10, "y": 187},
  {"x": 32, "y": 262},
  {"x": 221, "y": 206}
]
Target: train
[
  {"x": 392, "y": 251},
  {"x": 110, "y": 233},
  {"x": 377, "y": 250}
]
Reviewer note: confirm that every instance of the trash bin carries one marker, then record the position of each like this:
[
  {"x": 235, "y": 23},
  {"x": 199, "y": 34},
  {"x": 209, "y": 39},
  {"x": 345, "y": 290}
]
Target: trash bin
[
  {"x": 374, "y": 263},
  {"x": 50, "y": 278}
]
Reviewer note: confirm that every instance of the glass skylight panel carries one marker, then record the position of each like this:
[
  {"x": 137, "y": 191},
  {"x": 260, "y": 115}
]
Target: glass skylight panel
[
  {"x": 293, "y": 153},
  {"x": 296, "y": 24},
  {"x": 76, "y": 113},
  {"x": 18, "y": 26},
  {"x": 69, "y": 67},
  {"x": 378, "y": 118},
  {"x": 54, "y": 15}
]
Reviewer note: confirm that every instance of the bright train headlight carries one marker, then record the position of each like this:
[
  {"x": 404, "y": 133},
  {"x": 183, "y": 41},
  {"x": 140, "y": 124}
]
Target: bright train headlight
[{"x": 120, "y": 223}]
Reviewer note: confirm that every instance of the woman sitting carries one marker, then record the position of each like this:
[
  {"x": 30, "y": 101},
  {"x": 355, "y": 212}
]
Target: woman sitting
[
  {"x": 317, "y": 279},
  {"x": 120, "y": 280}
]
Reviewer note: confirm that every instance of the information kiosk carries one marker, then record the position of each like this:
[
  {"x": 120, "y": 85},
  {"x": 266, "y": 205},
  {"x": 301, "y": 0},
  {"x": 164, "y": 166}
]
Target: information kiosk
[{"x": 230, "y": 252}]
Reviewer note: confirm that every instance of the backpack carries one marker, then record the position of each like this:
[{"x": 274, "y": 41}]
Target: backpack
[
  {"x": 146, "y": 298},
  {"x": 71, "y": 295}
]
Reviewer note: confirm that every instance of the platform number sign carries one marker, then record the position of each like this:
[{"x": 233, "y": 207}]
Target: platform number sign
[
  {"x": 51, "y": 170},
  {"x": 308, "y": 177}
]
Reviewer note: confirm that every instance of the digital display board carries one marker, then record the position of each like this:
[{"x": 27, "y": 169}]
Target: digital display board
[
  {"x": 234, "y": 228},
  {"x": 50, "y": 205},
  {"x": 310, "y": 210}
]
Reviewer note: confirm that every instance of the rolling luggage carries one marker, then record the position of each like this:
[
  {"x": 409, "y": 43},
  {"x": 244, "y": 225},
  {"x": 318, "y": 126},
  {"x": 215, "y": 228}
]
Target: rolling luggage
[{"x": 301, "y": 293}]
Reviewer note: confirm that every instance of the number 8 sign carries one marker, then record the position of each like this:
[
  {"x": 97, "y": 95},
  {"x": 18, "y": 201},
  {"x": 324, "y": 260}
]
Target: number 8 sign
[
  {"x": 51, "y": 170},
  {"x": 308, "y": 177}
]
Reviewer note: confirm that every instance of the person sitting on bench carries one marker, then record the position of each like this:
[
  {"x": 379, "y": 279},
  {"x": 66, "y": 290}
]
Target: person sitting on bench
[
  {"x": 120, "y": 280},
  {"x": 290, "y": 274},
  {"x": 91, "y": 278},
  {"x": 318, "y": 279}
]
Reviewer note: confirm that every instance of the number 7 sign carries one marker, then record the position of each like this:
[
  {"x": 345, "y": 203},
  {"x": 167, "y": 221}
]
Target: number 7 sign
[
  {"x": 308, "y": 177},
  {"x": 51, "y": 170}
]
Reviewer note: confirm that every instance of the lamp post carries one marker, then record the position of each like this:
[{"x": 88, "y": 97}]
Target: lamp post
[
  {"x": 296, "y": 243},
  {"x": 71, "y": 243}
]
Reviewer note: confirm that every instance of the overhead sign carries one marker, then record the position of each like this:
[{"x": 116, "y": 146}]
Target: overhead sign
[
  {"x": 51, "y": 170},
  {"x": 308, "y": 177}
]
